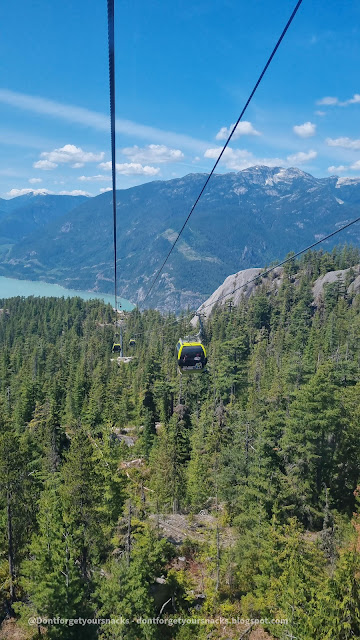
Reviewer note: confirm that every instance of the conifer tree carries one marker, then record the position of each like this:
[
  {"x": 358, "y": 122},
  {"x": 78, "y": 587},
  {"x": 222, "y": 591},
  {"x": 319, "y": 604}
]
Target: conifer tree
[
  {"x": 310, "y": 440},
  {"x": 336, "y": 607},
  {"x": 15, "y": 504},
  {"x": 52, "y": 576},
  {"x": 81, "y": 496},
  {"x": 127, "y": 588}
]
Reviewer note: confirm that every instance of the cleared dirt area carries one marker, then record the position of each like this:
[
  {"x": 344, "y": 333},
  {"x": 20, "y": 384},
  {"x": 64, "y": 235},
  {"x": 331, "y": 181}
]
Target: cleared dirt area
[
  {"x": 178, "y": 528},
  {"x": 10, "y": 630}
]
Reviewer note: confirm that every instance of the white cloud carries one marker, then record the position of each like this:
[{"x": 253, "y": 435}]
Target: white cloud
[
  {"x": 320, "y": 113},
  {"x": 71, "y": 153},
  {"x": 345, "y": 143},
  {"x": 355, "y": 166},
  {"x": 244, "y": 128},
  {"x": 328, "y": 101},
  {"x": 301, "y": 157},
  {"x": 157, "y": 153},
  {"x": 238, "y": 159},
  {"x": 354, "y": 100},
  {"x": 105, "y": 189},
  {"x": 98, "y": 121},
  {"x": 78, "y": 165},
  {"x": 339, "y": 169},
  {"x": 332, "y": 101},
  {"x": 305, "y": 130},
  {"x": 45, "y": 164},
  {"x": 75, "y": 192},
  {"x": 34, "y": 180},
  {"x": 131, "y": 168},
  {"x": 13, "y": 193},
  {"x": 98, "y": 178}
]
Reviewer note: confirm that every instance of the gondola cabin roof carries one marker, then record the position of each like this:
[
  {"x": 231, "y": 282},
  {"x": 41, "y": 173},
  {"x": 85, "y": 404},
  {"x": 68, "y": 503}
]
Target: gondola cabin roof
[
  {"x": 191, "y": 355},
  {"x": 189, "y": 343}
]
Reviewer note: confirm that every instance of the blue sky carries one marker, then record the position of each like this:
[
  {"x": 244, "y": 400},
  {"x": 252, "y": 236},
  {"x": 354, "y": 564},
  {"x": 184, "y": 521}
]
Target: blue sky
[{"x": 183, "y": 73}]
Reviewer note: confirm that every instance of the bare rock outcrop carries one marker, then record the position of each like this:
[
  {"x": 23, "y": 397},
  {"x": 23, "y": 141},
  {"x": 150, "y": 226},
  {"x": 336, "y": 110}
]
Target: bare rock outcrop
[
  {"x": 336, "y": 276},
  {"x": 242, "y": 285},
  {"x": 238, "y": 286}
]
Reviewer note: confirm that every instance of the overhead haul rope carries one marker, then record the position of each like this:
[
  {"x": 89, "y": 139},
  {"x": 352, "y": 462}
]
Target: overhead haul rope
[
  {"x": 265, "y": 273},
  {"x": 156, "y": 277},
  {"x": 111, "y": 40}
]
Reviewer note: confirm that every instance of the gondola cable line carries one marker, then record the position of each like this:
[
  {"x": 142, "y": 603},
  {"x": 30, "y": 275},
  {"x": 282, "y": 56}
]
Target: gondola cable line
[
  {"x": 191, "y": 353},
  {"x": 110, "y": 4},
  {"x": 117, "y": 346},
  {"x": 111, "y": 46},
  {"x": 158, "y": 273}
]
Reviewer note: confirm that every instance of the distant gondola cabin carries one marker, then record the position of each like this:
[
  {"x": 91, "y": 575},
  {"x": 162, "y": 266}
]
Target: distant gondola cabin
[
  {"x": 191, "y": 356},
  {"x": 116, "y": 347},
  {"x": 132, "y": 342}
]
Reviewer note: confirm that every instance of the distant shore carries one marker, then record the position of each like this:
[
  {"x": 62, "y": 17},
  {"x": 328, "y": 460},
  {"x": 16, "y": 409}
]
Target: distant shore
[{"x": 11, "y": 287}]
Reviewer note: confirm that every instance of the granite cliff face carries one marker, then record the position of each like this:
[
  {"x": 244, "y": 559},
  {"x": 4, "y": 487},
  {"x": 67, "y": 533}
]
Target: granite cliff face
[
  {"x": 239, "y": 286},
  {"x": 242, "y": 285}
]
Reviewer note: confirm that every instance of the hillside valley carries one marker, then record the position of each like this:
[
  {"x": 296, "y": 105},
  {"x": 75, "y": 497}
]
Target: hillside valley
[{"x": 244, "y": 220}]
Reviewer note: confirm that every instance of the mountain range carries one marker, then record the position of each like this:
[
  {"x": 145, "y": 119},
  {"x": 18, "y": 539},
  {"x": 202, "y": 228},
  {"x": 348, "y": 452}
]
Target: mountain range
[
  {"x": 243, "y": 220},
  {"x": 29, "y": 213}
]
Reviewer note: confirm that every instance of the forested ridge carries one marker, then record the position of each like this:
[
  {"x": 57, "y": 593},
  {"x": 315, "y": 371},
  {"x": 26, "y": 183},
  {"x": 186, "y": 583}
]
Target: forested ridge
[{"x": 232, "y": 493}]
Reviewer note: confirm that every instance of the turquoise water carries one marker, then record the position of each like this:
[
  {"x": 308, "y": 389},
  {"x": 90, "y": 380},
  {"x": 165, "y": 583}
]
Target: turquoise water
[{"x": 10, "y": 287}]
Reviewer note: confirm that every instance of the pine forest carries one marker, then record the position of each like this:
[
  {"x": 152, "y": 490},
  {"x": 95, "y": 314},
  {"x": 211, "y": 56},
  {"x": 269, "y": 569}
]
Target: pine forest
[{"x": 224, "y": 504}]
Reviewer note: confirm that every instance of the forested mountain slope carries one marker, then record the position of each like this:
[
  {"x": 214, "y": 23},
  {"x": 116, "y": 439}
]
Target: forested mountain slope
[
  {"x": 233, "y": 494},
  {"x": 30, "y": 213},
  {"x": 245, "y": 219}
]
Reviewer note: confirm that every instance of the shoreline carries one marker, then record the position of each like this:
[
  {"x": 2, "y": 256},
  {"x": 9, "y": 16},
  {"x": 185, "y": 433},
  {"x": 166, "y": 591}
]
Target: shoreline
[{"x": 26, "y": 288}]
